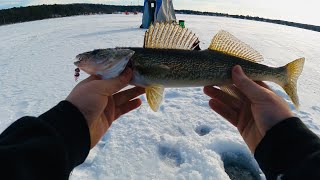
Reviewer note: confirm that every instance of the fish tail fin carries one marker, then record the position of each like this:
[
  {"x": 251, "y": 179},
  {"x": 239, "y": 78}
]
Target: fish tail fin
[{"x": 293, "y": 70}]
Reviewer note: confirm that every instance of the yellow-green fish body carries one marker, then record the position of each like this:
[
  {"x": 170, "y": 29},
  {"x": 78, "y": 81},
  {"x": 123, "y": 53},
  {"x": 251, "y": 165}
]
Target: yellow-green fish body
[
  {"x": 183, "y": 68},
  {"x": 167, "y": 60}
]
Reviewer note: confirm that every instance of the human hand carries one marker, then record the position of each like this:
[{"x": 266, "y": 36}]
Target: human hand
[
  {"x": 256, "y": 111},
  {"x": 96, "y": 100}
]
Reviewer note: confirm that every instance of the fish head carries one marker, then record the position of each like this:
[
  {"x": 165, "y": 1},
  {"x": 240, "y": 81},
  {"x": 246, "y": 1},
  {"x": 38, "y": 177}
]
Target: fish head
[{"x": 107, "y": 63}]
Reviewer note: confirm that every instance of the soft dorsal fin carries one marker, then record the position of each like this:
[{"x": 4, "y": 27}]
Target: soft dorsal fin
[
  {"x": 226, "y": 43},
  {"x": 169, "y": 36}
]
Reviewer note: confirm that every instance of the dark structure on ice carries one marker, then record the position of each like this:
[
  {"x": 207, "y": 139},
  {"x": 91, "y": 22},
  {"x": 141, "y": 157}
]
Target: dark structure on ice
[{"x": 157, "y": 11}]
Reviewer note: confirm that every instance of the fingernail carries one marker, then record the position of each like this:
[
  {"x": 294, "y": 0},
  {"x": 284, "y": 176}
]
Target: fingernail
[
  {"x": 237, "y": 74},
  {"x": 129, "y": 71},
  {"x": 205, "y": 89},
  {"x": 237, "y": 70},
  {"x": 213, "y": 103},
  {"x": 126, "y": 74}
]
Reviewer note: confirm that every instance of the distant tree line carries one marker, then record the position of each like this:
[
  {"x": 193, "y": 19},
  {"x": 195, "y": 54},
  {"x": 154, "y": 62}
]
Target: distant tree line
[
  {"x": 31, "y": 13},
  {"x": 288, "y": 23}
]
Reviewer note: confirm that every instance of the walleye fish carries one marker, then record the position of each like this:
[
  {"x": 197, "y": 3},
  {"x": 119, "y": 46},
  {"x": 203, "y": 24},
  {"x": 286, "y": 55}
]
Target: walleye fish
[{"x": 167, "y": 59}]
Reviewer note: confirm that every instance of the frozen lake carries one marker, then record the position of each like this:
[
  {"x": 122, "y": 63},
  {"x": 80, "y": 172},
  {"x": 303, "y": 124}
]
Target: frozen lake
[{"x": 185, "y": 139}]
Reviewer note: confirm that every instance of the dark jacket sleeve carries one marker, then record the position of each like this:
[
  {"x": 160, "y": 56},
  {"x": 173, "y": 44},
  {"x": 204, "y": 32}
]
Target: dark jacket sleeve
[
  {"x": 47, "y": 147},
  {"x": 289, "y": 150}
]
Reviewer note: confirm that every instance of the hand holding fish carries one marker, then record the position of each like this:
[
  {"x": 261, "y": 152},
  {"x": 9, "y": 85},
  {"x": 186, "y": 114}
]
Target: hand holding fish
[
  {"x": 255, "y": 111},
  {"x": 101, "y": 103}
]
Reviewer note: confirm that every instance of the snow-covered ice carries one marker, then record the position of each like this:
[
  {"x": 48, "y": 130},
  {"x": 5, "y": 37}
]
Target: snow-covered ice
[{"x": 185, "y": 139}]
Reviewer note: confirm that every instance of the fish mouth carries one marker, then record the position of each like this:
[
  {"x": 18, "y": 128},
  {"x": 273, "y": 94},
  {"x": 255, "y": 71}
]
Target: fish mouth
[{"x": 78, "y": 60}]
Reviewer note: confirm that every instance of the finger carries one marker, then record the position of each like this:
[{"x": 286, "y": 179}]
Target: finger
[
  {"x": 248, "y": 87},
  {"x": 263, "y": 84},
  {"x": 109, "y": 111},
  {"x": 111, "y": 86},
  {"x": 209, "y": 90},
  {"x": 90, "y": 78},
  {"x": 225, "y": 111},
  {"x": 127, "y": 107},
  {"x": 227, "y": 99},
  {"x": 245, "y": 117},
  {"x": 127, "y": 95}
]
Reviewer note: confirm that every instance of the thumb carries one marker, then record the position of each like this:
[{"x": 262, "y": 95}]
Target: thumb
[
  {"x": 248, "y": 87},
  {"x": 113, "y": 85}
]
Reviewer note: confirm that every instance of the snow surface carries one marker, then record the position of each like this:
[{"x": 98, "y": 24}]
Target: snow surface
[{"x": 185, "y": 139}]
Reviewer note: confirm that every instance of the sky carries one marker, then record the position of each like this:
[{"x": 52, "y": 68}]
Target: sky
[{"x": 306, "y": 11}]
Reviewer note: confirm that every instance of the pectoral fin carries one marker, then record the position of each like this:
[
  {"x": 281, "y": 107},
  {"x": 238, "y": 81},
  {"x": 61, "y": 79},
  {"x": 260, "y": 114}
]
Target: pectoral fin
[
  {"x": 231, "y": 90},
  {"x": 154, "y": 95}
]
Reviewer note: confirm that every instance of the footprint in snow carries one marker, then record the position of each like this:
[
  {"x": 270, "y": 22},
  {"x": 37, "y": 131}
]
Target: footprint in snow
[
  {"x": 172, "y": 94},
  {"x": 239, "y": 167},
  {"x": 202, "y": 130},
  {"x": 170, "y": 155},
  {"x": 316, "y": 108}
]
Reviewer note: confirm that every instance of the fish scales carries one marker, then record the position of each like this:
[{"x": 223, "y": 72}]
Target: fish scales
[{"x": 183, "y": 68}]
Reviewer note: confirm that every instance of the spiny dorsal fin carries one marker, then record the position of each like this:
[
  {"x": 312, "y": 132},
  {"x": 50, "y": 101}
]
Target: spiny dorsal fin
[
  {"x": 226, "y": 43},
  {"x": 154, "y": 95},
  {"x": 169, "y": 36}
]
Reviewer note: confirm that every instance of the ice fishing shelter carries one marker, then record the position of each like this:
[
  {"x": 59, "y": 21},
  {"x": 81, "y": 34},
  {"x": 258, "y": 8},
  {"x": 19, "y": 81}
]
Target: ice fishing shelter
[{"x": 157, "y": 11}]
